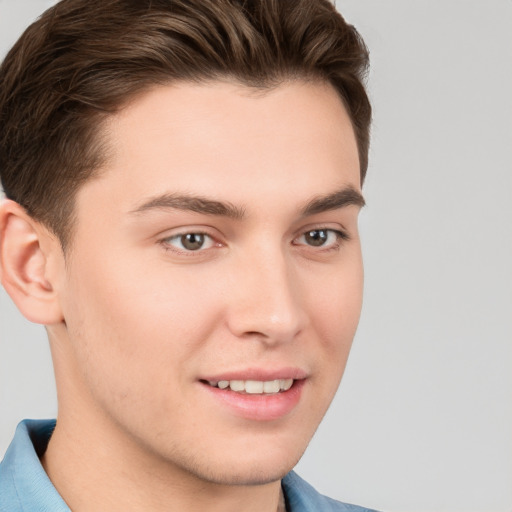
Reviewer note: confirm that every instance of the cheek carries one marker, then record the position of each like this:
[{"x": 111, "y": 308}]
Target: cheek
[
  {"x": 335, "y": 312},
  {"x": 139, "y": 316},
  {"x": 131, "y": 330},
  {"x": 339, "y": 304}
]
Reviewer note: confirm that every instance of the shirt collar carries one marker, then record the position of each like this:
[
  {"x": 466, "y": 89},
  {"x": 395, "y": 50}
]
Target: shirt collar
[{"x": 24, "y": 485}]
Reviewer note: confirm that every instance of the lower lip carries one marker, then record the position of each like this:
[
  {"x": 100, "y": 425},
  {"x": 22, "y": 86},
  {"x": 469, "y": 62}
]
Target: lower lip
[{"x": 259, "y": 407}]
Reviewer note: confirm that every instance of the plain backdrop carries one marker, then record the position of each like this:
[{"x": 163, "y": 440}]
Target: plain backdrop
[{"x": 423, "y": 419}]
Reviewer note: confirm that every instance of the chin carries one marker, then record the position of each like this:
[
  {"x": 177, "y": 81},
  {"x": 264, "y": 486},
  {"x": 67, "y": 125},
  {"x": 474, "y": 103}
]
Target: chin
[
  {"x": 243, "y": 469},
  {"x": 248, "y": 475}
]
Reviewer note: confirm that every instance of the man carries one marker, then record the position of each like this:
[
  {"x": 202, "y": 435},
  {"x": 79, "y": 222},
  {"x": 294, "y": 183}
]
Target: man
[{"x": 183, "y": 182}]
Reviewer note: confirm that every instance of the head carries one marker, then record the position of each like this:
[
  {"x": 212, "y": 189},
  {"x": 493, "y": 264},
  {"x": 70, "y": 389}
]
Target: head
[
  {"x": 184, "y": 180},
  {"x": 82, "y": 61}
]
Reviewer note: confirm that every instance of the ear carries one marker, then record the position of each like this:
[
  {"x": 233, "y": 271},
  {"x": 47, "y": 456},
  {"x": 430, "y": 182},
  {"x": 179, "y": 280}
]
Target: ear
[{"x": 26, "y": 248}]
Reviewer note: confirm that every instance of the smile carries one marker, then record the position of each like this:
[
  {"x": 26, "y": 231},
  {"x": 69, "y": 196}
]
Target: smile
[
  {"x": 256, "y": 400},
  {"x": 254, "y": 387}
]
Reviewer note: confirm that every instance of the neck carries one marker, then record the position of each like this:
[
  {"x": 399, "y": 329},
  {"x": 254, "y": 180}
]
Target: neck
[{"x": 123, "y": 479}]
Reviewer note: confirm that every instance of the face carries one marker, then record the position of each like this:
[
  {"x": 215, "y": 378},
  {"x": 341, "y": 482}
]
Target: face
[{"x": 214, "y": 282}]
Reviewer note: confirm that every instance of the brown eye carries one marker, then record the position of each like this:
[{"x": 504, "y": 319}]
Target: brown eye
[
  {"x": 192, "y": 241},
  {"x": 323, "y": 238},
  {"x": 317, "y": 237}
]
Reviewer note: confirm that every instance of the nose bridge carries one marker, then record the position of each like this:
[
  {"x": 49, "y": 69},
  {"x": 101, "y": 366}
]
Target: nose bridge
[{"x": 267, "y": 302}]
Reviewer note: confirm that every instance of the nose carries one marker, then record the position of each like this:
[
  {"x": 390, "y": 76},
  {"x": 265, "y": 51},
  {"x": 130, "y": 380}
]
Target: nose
[{"x": 266, "y": 300}]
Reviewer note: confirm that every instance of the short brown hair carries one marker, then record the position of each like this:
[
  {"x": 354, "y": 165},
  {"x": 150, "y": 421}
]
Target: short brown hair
[{"x": 83, "y": 60}]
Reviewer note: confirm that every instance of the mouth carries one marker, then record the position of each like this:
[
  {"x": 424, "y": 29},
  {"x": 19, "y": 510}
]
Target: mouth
[
  {"x": 262, "y": 400},
  {"x": 253, "y": 387}
]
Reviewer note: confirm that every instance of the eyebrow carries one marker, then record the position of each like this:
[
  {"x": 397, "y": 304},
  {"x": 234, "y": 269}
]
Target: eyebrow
[
  {"x": 345, "y": 197},
  {"x": 196, "y": 204}
]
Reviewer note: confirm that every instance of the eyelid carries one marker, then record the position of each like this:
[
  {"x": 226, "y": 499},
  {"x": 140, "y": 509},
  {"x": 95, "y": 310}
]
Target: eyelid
[
  {"x": 164, "y": 241},
  {"x": 326, "y": 226},
  {"x": 341, "y": 236},
  {"x": 340, "y": 232}
]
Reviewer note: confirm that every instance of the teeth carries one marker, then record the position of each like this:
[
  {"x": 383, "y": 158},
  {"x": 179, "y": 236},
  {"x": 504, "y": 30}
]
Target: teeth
[
  {"x": 271, "y": 386},
  {"x": 237, "y": 385},
  {"x": 286, "y": 384},
  {"x": 254, "y": 387}
]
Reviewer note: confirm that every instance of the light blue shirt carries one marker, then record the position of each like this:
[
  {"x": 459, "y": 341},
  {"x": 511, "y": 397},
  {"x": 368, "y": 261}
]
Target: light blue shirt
[{"x": 25, "y": 487}]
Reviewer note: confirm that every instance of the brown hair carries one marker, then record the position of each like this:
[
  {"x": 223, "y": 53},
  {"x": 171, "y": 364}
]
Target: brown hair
[{"x": 83, "y": 60}]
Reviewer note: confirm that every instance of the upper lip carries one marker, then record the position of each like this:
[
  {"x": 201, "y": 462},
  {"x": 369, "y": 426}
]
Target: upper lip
[{"x": 259, "y": 374}]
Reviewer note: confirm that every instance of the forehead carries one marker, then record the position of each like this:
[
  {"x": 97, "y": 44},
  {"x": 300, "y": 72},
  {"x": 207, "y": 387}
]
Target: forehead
[{"x": 217, "y": 138}]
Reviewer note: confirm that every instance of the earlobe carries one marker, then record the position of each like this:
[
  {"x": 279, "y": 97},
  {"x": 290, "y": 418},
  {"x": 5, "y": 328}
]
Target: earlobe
[{"x": 24, "y": 265}]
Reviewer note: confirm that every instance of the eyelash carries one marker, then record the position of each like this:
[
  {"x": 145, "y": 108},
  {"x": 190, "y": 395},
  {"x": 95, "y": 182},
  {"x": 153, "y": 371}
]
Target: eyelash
[
  {"x": 165, "y": 242},
  {"x": 341, "y": 236}
]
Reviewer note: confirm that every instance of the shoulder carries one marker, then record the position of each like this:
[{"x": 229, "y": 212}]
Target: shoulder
[{"x": 302, "y": 497}]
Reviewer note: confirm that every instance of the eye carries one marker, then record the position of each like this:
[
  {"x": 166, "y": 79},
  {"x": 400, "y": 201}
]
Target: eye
[
  {"x": 190, "y": 242},
  {"x": 326, "y": 238}
]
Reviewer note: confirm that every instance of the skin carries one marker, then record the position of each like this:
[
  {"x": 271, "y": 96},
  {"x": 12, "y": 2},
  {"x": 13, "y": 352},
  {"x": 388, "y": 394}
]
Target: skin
[{"x": 137, "y": 322}]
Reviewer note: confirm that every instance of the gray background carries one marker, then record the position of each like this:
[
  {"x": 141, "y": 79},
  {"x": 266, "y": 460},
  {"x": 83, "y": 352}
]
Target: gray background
[{"x": 423, "y": 420}]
